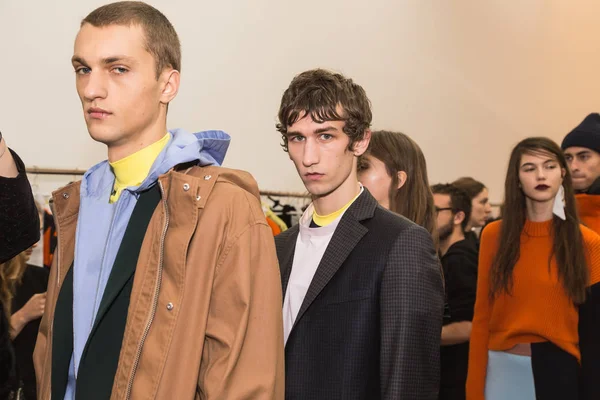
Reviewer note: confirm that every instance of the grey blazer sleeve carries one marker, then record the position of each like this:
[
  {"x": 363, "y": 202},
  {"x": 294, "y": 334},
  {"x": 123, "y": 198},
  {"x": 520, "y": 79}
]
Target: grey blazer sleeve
[{"x": 412, "y": 306}]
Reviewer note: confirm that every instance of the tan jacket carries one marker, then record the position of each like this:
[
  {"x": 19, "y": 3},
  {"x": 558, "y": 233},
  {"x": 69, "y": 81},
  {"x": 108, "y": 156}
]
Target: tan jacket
[{"x": 204, "y": 319}]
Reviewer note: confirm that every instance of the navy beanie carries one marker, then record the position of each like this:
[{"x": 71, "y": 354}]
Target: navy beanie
[{"x": 586, "y": 134}]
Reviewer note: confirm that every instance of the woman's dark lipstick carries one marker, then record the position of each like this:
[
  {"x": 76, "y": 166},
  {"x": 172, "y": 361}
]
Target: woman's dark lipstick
[{"x": 542, "y": 187}]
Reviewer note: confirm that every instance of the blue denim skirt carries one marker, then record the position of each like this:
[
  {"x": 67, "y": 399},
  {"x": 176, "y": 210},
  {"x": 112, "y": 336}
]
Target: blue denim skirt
[{"x": 509, "y": 377}]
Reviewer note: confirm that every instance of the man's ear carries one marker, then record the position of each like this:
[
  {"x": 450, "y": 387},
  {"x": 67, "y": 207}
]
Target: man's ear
[
  {"x": 402, "y": 177},
  {"x": 459, "y": 217},
  {"x": 169, "y": 85},
  {"x": 360, "y": 146}
]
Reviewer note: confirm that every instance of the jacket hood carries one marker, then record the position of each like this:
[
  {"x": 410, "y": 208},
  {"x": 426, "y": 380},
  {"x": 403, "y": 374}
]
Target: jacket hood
[{"x": 206, "y": 148}]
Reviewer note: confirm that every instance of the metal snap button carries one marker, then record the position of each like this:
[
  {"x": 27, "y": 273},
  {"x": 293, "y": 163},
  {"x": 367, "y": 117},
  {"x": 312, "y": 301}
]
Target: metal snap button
[
  {"x": 66, "y": 195},
  {"x": 170, "y": 306},
  {"x": 207, "y": 177},
  {"x": 186, "y": 186}
]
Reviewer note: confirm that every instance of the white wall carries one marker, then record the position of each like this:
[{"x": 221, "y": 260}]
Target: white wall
[{"x": 466, "y": 79}]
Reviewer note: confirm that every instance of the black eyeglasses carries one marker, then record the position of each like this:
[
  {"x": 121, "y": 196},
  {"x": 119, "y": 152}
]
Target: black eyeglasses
[{"x": 437, "y": 209}]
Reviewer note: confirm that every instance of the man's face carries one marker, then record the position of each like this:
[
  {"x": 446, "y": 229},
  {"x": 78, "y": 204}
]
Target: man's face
[
  {"x": 445, "y": 216},
  {"x": 584, "y": 165},
  {"x": 116, "y": 83},
  {"x": 321, "y": 156}
]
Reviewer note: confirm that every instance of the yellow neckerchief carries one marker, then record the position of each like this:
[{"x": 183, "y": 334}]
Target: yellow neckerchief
[
  {"x": 328, "y": 219},
  {"x": 132, "y": 170}
]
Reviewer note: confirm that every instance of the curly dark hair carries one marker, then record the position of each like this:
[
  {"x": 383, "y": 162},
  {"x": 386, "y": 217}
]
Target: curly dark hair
[
  {"x": 471, "y": 186},
  {"x": 325, "y": 96}
]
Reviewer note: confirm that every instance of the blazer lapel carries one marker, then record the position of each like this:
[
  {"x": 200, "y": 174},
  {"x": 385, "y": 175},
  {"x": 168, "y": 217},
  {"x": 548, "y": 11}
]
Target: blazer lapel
[
  {"x": 345, "y": 238},
  {"x": 286, "y": 251}
]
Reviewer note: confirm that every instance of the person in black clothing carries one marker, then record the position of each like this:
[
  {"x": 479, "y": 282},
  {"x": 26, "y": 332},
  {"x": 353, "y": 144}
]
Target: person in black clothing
[
  {"x": 363, "y": 291},
  {"x": 19, "y": 230},
  {"x": 7, "y": 359},
  {"x": 481, "y": 209},
  {"x": 27, "y": 285},
  {"x": 582, "y": 152},
  {"x": 19, "y": 220},
  {"x": 459, "y": 262}
]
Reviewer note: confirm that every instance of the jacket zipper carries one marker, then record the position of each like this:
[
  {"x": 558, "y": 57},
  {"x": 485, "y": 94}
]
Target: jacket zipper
[
  {"x": 136, "y": 360},
  {"x": 57, "y": 236},
  {"x": 51, "y": 323}
]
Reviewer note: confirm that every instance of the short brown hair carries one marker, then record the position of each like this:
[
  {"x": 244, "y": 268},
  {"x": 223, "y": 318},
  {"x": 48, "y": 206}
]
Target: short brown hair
[
  {"x": 399, "y": 152},
  {"x": 319, "y": 93},
  {"x": 161, "y": 39},
  {"x": 471, "y": 186}
]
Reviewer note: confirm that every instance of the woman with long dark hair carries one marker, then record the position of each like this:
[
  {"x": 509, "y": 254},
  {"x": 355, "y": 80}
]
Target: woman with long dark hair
[
  {"x": 395, "y": 172},
  {"x": 536, "y": 325}
]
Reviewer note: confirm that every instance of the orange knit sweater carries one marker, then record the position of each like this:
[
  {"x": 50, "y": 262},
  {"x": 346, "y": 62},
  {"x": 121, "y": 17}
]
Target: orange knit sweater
[
  {"x": 589, "y": 210},
  {"x": 538, "y": 309}
]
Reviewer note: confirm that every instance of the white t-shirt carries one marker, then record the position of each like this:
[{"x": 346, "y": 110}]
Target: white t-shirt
[{"x": 310, "y": 248}]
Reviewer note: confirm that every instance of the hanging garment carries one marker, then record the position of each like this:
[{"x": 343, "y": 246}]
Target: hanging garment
[
  {"x": 274, "y": 227},
  {"x": 273, "y": 219},
  {"x": 50, "y": 238}
]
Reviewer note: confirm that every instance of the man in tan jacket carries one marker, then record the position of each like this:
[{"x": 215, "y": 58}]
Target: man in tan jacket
[{"x": 165, "y": 282}]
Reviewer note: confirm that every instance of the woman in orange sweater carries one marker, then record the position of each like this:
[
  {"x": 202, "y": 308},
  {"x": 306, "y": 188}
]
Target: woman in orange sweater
[{"x": 536, "y": 328}]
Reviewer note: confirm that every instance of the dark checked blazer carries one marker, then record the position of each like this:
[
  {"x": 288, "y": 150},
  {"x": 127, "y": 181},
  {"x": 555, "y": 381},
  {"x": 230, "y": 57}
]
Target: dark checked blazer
[{"x": 370, "y": 324}]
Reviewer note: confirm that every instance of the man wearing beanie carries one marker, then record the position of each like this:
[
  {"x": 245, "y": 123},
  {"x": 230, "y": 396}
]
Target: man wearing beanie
[{"x": 582, "y": 151}]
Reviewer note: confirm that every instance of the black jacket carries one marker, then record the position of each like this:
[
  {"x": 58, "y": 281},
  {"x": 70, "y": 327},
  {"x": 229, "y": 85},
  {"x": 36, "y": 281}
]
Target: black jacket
[
  {"x": 19, "y": 219},
  {"x": 7, "y": 358},
  {"x": 370, "y": 324},
  {"x": 460, "y": 274},
  {"x": 35, "y": 280}
]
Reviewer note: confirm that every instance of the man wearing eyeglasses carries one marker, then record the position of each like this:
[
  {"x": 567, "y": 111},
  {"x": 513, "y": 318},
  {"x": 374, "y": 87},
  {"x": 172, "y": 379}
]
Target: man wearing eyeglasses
[{"x": 459, "y": 261}]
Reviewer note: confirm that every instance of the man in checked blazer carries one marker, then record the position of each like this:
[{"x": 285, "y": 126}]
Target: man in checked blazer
[{"x": 363, "y": 292}]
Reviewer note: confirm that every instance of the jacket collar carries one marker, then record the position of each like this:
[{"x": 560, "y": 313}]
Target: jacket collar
[
  {"x": 65, "y": 202},
  {"x": 345, "y": 238}
]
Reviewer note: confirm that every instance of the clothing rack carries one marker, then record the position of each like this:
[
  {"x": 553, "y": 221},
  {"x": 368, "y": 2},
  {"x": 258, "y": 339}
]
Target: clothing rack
[
  {"x": 53, "y": 171},
  {"x": 284, "y": 194},
  {"x": 58, "y": 171},
  {"x": 71, "y": 172}
]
